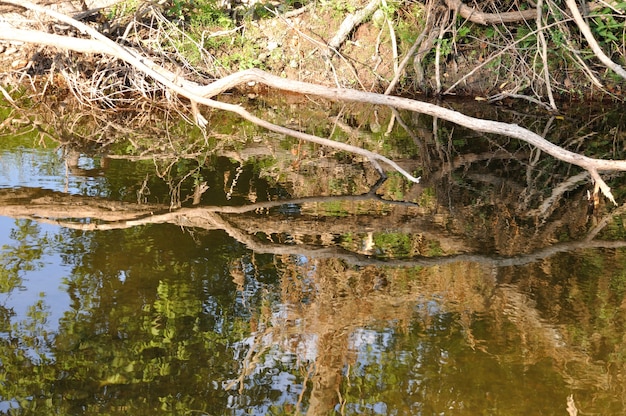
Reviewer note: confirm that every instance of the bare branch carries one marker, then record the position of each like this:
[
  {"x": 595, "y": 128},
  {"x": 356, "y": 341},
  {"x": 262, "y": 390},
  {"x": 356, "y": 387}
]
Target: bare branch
[
  {"x": 350, "y": 22},
  {"x": 201, "y": 94},
  {"x": 593, "y": 44},
  {"x": 49, "y": 39},
  {"x": 476, "y": 16}
]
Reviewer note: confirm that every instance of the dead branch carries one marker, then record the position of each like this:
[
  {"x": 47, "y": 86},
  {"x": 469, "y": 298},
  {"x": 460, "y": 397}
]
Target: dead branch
[
  {"x": 593, "y": 44},
  {"x": 485, "y": 126},
  {"x": 543, "y": 52},
  {"x": 202, "y": 94},
  {"x": 181, "y": 85},
  {"x": 350, "y": 22},
  {"x": 57, "y": 41},
  {"x": 481, "y": 18}
]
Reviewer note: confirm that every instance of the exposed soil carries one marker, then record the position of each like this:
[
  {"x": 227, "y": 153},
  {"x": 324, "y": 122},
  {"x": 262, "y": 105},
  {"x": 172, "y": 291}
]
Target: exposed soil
[
  {"x": 293, "y": 45},
  {"x": 365, "y": 61}
]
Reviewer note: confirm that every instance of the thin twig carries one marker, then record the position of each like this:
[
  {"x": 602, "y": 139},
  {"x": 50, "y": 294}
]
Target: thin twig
[
  {"x": 544, "y": 53},
  {"x": 494, "y": 56},
  {"x": 410, "y": 53}
]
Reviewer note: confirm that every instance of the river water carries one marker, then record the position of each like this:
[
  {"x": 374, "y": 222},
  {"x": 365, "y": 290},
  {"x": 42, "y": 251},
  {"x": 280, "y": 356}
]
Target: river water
[{"x": 282, "y": 279}]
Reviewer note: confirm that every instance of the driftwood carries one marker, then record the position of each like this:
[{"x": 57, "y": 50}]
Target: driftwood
[{"x": 202, "y": 94}]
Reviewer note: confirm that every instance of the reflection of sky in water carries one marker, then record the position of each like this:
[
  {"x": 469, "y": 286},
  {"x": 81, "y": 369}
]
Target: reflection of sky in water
[
  {"x": 282, "y": 382},
  {"x": 370, "y": 341},
  {"x": 38, "y": 168},
  {"x": 46, "y": 279},
  {"x": 44, "y": 168}
]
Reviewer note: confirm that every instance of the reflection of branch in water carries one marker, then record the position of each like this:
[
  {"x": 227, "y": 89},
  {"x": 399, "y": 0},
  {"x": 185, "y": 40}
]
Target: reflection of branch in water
[
  {"x": 29, "y": 203},
  {"x": 518, "y": 309},
  {"x": 470, "y": 158},
  {"x": 548, "y": 205},
  {"x": 256, "y": 348},
  {"x": 361, "y": 260},
  {"x": 608, "y": 218},
  {"x": 542, "y": 339},
  {"x": 41, "y": 205}
]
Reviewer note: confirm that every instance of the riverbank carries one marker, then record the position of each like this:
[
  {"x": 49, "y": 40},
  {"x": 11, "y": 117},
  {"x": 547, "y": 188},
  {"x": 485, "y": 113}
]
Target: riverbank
[{"x": 441, "y": 54}]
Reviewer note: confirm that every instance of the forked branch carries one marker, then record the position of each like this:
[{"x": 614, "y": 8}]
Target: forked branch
[{"x": 202, "y": 94}]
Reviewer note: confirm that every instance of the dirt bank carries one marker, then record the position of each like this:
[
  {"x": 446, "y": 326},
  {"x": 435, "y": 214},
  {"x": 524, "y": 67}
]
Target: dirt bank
[{"x": 454, "y": 57}]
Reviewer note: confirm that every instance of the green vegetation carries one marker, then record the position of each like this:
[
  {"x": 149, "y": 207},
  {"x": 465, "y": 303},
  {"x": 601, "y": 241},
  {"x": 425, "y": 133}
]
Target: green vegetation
[
  {"x": 23, "y": 256},
  {"x": 609, "y": 27},
  {"x": 174, "y": 319}
]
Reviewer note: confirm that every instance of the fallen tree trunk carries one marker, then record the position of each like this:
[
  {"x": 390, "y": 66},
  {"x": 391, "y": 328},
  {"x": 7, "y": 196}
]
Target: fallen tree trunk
[{"x": 202, "y": 94}]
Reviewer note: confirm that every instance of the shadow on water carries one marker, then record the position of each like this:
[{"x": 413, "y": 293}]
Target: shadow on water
[{"x": 270, "y": 276}]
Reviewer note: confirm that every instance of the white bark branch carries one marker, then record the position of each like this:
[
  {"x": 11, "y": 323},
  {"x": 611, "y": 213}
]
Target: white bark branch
[
  {"x": 202, "y": 94},
  {"x": 350, "y": 22},
  {"x": 180, "y": 85},
  {"x": 593, "y": 44},
  {"x": 49, "y": 39},
  {"x": 482, "y": 18}
]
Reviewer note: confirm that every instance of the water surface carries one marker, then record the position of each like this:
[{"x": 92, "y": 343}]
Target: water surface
[{"x": 121, "y": 296}]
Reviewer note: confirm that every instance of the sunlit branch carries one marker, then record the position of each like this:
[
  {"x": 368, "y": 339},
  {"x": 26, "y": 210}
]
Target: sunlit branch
[{"x": 201, "y": 94}]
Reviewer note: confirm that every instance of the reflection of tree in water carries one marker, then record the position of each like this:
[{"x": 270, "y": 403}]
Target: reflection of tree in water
[
  {"x": 325, "y": 302},
  {"x": 327, "y": 305},
  {"x": 476, "y": 279},
  {"x": 22, "y": 256}
]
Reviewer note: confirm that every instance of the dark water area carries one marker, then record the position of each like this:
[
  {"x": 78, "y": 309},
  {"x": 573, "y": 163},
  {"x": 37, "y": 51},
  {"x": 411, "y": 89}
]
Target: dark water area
[{"x": 273, "y": 279}]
